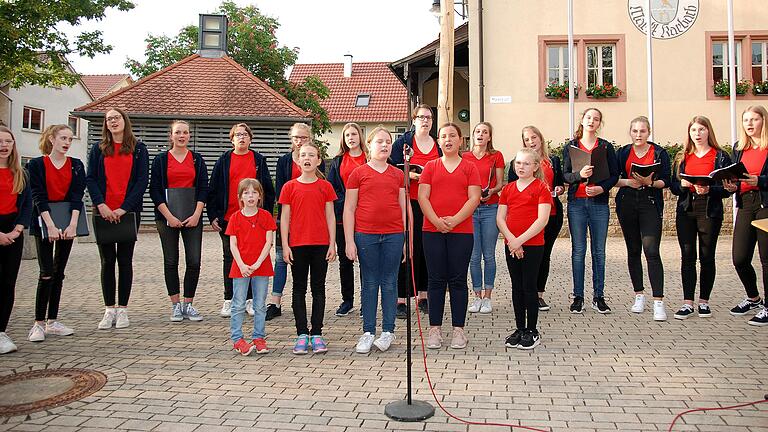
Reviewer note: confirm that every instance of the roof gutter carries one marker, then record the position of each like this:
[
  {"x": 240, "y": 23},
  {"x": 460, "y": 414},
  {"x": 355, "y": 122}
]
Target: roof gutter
[
  {"x": 97, "y": 115},
  {"x": 480, "y": 82}
]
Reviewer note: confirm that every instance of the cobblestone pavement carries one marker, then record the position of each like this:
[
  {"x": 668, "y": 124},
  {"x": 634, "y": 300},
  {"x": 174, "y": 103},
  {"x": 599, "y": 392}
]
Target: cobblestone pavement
[{"x": 592, "y": 372}]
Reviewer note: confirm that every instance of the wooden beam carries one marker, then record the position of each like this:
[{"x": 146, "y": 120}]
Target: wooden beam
[{"x": 445, "y": 83}]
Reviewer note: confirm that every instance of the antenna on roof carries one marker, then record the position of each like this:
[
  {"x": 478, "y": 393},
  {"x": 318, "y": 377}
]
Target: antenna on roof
[{"x": 212, "y": 36}]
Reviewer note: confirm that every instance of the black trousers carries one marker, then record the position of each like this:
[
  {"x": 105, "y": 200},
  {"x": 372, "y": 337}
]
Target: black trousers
[
  {"x": 169, "y": 241},
  {"x": 641, "y": 225},
  {"x": 693, "y": 226},
  {"x": 227, "y": 252},
  {"x": 52, "y": 259},
  {"x": 10, "y": 262},
  {"x": 309, "y": 262},
  {"x": 420, "y": 270},
  {"x": 744, "y": 238},
  {"x": 346, "y": 267},
  {"x": 122, "y": 253},
  {"x": 524, "y": 273},
  {"x": 551, "y": 231},
  {"x": 448, "y": 258}
]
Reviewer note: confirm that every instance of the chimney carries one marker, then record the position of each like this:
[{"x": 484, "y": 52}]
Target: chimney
[
  {"x": 347, "y": 65},
  {"x": 212, "y": 36}
]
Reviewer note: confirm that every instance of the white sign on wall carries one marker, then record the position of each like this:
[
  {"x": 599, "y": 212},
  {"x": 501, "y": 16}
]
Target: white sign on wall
[
  {"x": 669, "y": 18},
  {"x": 501, "y": 99}
]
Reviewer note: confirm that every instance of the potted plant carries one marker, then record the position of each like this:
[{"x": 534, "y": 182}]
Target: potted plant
[
  {"x": 760, "y": 88},
  {"x": 723, "y": 88},
  {"x": 559, "y": 91},
  {"x": 599, "y": 91}
]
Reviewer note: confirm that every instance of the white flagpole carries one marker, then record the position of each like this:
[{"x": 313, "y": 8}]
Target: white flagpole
[
  {"x": 649, "y": 64},
  {"x": 571, "y": 78},
  {"x": 732, "y": 79}
]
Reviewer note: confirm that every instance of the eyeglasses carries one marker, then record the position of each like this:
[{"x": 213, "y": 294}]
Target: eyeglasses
[
  {"x": 115, "y": 118},
  {"x": 299, "y": 138},
  {"x": 241, "y": 135},
  {"x": 424, "y": 117}
]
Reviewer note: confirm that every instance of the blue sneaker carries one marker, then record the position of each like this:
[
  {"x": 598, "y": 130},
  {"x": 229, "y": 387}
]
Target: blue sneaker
[
  {"x": 176, "y": 312},
  {"x": 318, "y": 344},
  {"x": 302, "y": 342},
  {"x": 191, "y": 313}
]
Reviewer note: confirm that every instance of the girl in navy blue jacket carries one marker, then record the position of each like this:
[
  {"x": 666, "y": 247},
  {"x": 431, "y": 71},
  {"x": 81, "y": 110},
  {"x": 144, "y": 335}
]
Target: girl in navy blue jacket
[
  {"x": 180, "y": 167},
  {"x": 54, "y": 177},
  {"x": 117, "y": 176},
  {"x": 15, "y": 212}
]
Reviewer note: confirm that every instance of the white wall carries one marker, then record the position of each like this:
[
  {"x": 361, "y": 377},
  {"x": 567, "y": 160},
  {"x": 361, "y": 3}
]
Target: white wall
[{"x": 334, "y": 136}]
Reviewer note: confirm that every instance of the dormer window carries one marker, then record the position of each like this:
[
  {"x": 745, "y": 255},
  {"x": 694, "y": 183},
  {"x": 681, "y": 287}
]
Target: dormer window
[{"x": 363, "y": 99}]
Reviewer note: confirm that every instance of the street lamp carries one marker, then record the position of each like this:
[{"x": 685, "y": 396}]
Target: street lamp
[{"x": 435, "y": 9}]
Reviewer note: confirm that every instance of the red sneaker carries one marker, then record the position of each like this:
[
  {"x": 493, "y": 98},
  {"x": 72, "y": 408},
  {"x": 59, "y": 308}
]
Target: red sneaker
[
  {"x": 243, "y": 347},
  {"x": 260, "y": 345}
]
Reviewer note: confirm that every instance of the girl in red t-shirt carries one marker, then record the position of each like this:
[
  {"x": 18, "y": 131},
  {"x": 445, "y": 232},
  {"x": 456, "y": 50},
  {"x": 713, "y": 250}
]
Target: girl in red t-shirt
[
  {"x": 449, "y": 191},
  {"x": 524, "y": 208},
  {"x": 307, "y": 207},
  {"x": 250, "y": 231}
]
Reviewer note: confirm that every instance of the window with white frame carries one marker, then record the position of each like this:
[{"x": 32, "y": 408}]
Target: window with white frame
[
  {"x": 362, "y": 100},
  {"x": 601, "y": 64},
  {"x": 32, "y": 119},
  {"x": 74, "y": 124},
  {"x": 720, "y": 61},
  {"x": 557, "y": 64},
  {"x": 399, "y": 131},
  {"x": 759, "y": 61}
]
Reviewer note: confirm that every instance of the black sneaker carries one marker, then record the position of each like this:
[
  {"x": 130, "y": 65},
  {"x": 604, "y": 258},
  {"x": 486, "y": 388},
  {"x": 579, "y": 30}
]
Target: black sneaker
[
  {"x": 704, "y": 310},
  {"x": 761, "y": 319},
  {"x": 685, "y": 311},
  {"x": 577, "y": 306},
  {"x": 401, "y": 312},
  {"x": 423, "y": 306},
  {"x": 344, "y": 309},
  {"x": 598, "y": 304},
  {"x": 530, "y": 340},
  {"x": 745, "y": 306},
  {"x": 513, "y": 340},
  {"x": 273, "y": 311},
  {"x": 543, "y": 306}
]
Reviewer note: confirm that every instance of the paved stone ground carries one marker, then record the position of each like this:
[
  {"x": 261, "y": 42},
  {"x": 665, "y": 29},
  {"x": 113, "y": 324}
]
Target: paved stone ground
[{"x": 592, "y": 372}]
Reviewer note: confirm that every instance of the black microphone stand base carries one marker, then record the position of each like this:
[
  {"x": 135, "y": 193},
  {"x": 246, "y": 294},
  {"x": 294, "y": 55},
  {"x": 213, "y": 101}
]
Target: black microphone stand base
[{"x": 409, "y": 412}]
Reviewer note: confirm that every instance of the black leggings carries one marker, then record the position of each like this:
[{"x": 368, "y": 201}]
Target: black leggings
[
  {"x": 346, "y": 267},
  {"x": 524, "y": 275},
  {"x": 52, "y": 259},
  {"x": 641, "y": 225},
  {"x": 10, "y": 262},
  {"x": 551, "y": 231},
  {"x": 122, "y": 253},
  {"x": 309, "y": 262},
  {"x": 448, "y": 263},
  {"x": 744, "y": 238},
  {"x": 420, "y": 271},
  {"x": 227, "y": 252},
  {"x": 692, "y": 226},
  {"x": 169, "y": 241}
]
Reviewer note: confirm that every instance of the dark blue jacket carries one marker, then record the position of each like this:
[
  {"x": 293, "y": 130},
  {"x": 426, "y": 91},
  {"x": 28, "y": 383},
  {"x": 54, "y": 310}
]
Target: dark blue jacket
[
  {"x": 283, "y": 176},
  {"x": 762, "y": 179},
  {"x": 96, "y": 178},
  {"x": 661, "y": 156},
  {"x": 218, "y": 190},
  {"x": 716, "y": 192},
  {"x": 36, "y": 170},
  {"x": 396, "y": 157},
  {"x": 574, "y": 178},
  {"x": 24, "y": 205},
  {"x": 557, "y": 181},
  {"x": 158, "y": 182}
]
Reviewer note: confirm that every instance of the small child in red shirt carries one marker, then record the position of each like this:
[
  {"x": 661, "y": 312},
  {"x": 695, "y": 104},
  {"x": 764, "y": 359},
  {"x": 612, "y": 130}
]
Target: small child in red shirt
[{"x": 251, "y": 231}]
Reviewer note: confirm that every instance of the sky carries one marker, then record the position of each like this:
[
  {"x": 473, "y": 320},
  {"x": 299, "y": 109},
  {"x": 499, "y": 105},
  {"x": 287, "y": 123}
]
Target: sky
[{"x": 323, "y": 30}]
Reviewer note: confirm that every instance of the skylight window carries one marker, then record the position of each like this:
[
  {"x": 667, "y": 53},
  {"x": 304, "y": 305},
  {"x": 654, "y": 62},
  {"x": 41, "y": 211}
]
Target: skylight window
[{"x": 362, "y": 100}]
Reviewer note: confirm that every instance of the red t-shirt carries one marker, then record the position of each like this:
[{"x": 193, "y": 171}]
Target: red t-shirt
[
  {"x": 57, "y": 180},
  {"x": 581, "y": 191},
  {"x": 348, "y": 164},
  {"x": 549, "y": 177},
  {"x": 240, "y": 167},
  {"x": 7, "y": 197},
  {"x": 295, "y": 170},
  {"x": 117, "y": 169},
  {"x": 699, "y": 166},
  {"x": 420, "y": 158},
  {"x": 647, "y": 159},
  {"x": 485, "y": 166},
  {"x": 308, "y": 225},
  {"x": 753, "y": 160},
  {"x": 449, "y": 191},
  {"x": 378, "y": 210},
  {"x": 181, "y": 174},
  {"x": 523, "y": 208},
  {"x": 251, "y": 235}
]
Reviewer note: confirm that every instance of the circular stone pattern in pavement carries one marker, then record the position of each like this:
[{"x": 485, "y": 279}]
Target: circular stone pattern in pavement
[{"x": 39, "y": 390}]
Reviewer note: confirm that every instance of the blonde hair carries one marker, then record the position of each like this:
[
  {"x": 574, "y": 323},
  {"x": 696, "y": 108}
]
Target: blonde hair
[
  {"x": 244, "y": 185},
  {"x": 539, "y": 174},
  {"x": 313, "y": 144},
  {"x": 14, "y": 164},
  {"x": 343, "y": 147},
  {"x": 45, "y": 145},
  {"x": 376, "y": 130},
  {"x": 303, "y": 126},
  {"x": 489, "y": 147},
  {"x": 639, "y": 119},
  {"x": 689, "y": 146},
  {"x": 170, "y": 130},
  {"x": 745, "y": 139},
  {"x": 580, "y": 130},
  {"x": 129, "y": 139},
  {"x": 544, "y": 146}
]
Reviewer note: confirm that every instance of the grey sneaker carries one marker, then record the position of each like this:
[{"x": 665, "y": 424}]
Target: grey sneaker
[
  {"x": 176, "y": 314},
  {"x": 37, "y": 333},
  {"x": 58, "y": 329},
  {"x": 6, "y": 344},
  {"x": 190, "y": 312}
]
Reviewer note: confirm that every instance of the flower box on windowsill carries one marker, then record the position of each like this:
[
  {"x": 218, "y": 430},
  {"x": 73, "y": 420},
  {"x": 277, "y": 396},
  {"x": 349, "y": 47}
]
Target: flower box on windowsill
[
  {"x": 558, "y": 97},
  {"x": 607, "y": 91},
  {"x": 560, "y": 91},
  {"x": 760, "y": 88},
  {"x": 723, "y": 88}
]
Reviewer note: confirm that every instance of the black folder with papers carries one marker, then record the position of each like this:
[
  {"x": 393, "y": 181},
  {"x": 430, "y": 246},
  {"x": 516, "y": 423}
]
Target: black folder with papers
[{"x": 120, "y": 232}]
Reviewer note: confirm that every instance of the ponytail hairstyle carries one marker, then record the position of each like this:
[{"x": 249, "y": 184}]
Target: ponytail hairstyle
[
  {"x": 544, "y": 146},
  {"x": 170, "y": 130},
  {"x": 14, "y": 164},
  {"x": 489, "y": 147},
  {"x": 745, "y": 140},
  {"x": 640, "y": 119},
  {"x": 107, "y": 142},
  {"x": 539, "y": 174},
  {"x": 244, "y": 185},
  {"x": 303, "y": 127},
  {"x": 343, "y": 147},
  {"x": 580, "y": 130},
  {"x": 689, "y": 146},
  {"x": 50, "y": 133},
  {"x": 316, "y": 146}
]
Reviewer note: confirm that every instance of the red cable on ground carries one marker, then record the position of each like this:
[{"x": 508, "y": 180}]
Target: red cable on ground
[{"x": 671, "y": 425}]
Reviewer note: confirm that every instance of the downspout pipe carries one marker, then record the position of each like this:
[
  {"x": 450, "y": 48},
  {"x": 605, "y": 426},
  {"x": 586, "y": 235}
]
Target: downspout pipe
[{"x": 480, "y": 81}]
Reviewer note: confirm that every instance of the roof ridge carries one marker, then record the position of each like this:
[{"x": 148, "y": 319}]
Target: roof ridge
[{"x": 266, "y": 86}]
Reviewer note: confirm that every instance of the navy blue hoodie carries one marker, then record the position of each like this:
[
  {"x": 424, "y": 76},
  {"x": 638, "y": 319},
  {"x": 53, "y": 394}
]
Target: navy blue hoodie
[
  {"x": 96, "y": 179},
  {"x": 36, "y": 170}
]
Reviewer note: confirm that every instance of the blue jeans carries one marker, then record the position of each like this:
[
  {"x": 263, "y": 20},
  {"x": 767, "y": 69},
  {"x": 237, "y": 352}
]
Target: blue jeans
[
  {"x": 281, "y": 272},
  {"x": 486, "y": 235},
  {"x": 584, "y": 213},
  {"x": 380, "y": 256},
  {"x": 240, "y": 286}
]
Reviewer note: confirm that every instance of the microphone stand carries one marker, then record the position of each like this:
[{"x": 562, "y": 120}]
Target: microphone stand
[{"x": 408, "y": 410}]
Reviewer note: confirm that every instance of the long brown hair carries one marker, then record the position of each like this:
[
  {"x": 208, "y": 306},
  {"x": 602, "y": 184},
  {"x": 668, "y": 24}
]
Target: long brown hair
[
  {"x": 544, "y": 147},
  {"x": 45, "y": 145},
  {"x": 316, "y": 146},
  {"x": 244, "y": 185},
  {"x": 689, "y": 146},
  {"x": 489, "y": 147},
  {"x": 107, "y": 142},
  {"x": 14, "y": 164},
  {"x": 744, "y": 139},
  {"x": 580, "y": 130},
  {"x": 344, "y": 148}
]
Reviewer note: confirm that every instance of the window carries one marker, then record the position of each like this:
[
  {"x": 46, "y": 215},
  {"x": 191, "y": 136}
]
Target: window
[
  {"x": 557, "y": 64},
  {"x": 362, "y": 100},
  {"x": 759, "y": 61},
  {"x": 32, "y": 119},
  {"x": 399, "y": 131},
  {"x": 74, "y": 124},
  {"x": 601, "y": 61},
  {"x": 720, "y": 60},
  {"x": 751, "y": 55}
]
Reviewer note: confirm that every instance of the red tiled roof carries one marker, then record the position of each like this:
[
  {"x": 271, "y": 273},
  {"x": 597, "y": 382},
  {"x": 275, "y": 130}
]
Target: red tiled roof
[
  {"x": 100, "y": 85},
  {"x": 199, "y": 86},
  {"x": 389, "y": 98}
]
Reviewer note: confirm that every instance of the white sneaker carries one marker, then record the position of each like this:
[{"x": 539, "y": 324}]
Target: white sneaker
[
  {"x": 659, "y": 313},
  {"x": 475, "y": 306},
  {"x": 364, "y": 344},
  {"x": 122, "y": 318},
  {"x": 6, "y": 344},
  {"x": 226, "y": 309},
  {"x": 108, "y": 320},
  {"x": 639, "y": 305},
  {"x": 249, "y": 307},
  {"x": 384, "y": 341},
  {"x": 486, "y": 306},
  {"x": 58, "y": 329},
  {"x": 36, "y": 333}
]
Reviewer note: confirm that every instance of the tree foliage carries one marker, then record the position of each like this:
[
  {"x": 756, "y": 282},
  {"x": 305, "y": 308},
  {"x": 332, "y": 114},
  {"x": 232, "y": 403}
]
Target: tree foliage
[
  {"x": 251, "y": 42},
  {"x": 33, "y": 49}
]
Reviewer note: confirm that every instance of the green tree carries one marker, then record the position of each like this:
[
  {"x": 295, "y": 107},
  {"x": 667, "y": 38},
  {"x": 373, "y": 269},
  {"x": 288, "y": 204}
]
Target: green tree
[
  {"x": 251, "y": 43},
  {"x": 33, "y": 49}
]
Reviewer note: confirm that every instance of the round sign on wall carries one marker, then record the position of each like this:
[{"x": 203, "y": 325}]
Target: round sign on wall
[
  {"x": 669, "y": 18},
  {"x": 464, "y": 115}
]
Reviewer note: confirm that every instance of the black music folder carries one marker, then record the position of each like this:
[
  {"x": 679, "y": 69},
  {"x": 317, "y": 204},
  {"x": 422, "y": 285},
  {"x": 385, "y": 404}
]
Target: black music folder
[
  {"x": 645, "y": 170},
  {"x": 120, "y": 232},
  {"x": 61, "y": 214},
  {"x": 598, "y": 159},
  {"x": 732, "y": 172},
  {"x": 181, "y": 202}
]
